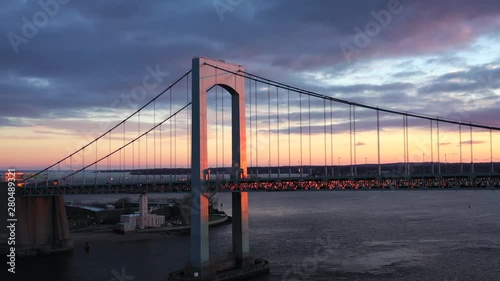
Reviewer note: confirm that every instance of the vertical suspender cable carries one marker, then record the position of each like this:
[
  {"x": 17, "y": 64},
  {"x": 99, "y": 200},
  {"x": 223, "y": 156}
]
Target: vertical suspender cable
[
  {"x": 133, "y": 161},
  {"x": 405, "y": 129},
  {"x": 171, "y": 141},
  {"x": 58, "y": 174},
  {"x": 238, "y": 174},
  {"x": 122, "y": 157},
  {"x": 300, "y": 128},
  {"x": 471, "y": 152},
  {"x": 223, "y": 129},
  {"x": 378, "y": 143},
  {"x": 269, "y": 128},
  {"x": 460, "y": 143},
  {"x": 124, "y": 154},
  {"x": 109, "y": 158},
  {"x": 250, "y": 125},
  {"x": 491, "y": 151},
  {"x": 95, "y": 165},
  {"x": 404, "y": 142},
  {"x": 324, "y": 137},
  {"x": 407, "y": 147},
  {"x": 71, "y": 168},
  {"x": 350, "y": 138},
  {"x": 310, "y": 150},
  {"x": 161, "y": 154},
  {"x": 216, "y": 130},
  {"x": 289, "y": 141},
  {"x": 256, "y": 133},
  {"x": 154, "y": 142},
  {"x": 139, "y": 146},
  {"x": 438, "y": 145},
  {"x": 83, "y": 165},
  {"x": 175, "y": 144},
  {"x": 331, "y": 136},
  {"x": 354, "y": 139},
  {"x": 188, "y": 131},
  {"x": 432, "y": 148},
  {"x": 278, "y": 127}
]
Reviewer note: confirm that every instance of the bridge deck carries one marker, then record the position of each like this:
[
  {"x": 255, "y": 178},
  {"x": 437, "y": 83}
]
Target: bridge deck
[{"x": 485, "y": 181}]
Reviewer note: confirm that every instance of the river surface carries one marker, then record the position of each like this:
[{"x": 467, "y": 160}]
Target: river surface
[{"x": 344, "y": 235}]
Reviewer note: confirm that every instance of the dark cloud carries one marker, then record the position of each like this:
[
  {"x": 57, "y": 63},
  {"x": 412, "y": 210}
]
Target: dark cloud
[
  {"x": 6, "y": 122},
  {"x": 472, "y": 142},
  {"x": 405, "y": 74},
  {"x": 480, "y": 79},
  {"x": 89, "y": 54}
]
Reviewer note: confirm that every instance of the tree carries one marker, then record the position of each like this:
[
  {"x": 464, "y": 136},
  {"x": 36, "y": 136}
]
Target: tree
[{"x": 122, "y": 202}]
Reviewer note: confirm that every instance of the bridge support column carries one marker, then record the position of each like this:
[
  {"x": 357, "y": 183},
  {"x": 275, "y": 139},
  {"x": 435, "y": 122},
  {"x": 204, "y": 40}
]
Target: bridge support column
[
  {"x": 199, "y": 252},
  {"x": 198, "y": 264},
  {"x": 240, "y": 229}
]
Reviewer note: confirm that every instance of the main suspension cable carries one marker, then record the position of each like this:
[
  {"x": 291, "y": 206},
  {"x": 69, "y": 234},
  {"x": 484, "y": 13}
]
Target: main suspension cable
[
  {"x": 314, "y": 94},
  {"x": 111, "y": 129},
  {"x": 130, "y": 142}
]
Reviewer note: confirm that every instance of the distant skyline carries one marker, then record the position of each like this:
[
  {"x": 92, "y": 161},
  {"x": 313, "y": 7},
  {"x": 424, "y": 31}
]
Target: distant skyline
[{"x": 64, "y": 65}]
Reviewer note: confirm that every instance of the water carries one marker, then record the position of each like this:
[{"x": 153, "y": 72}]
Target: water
[{"x": 374, "y": 235}]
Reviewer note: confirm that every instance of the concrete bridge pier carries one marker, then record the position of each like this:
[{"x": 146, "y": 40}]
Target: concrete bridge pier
[
  {"x": 200, "y": 265},
  {"x": 41, "y": 226},
  {"x": 241, "y": 249}
]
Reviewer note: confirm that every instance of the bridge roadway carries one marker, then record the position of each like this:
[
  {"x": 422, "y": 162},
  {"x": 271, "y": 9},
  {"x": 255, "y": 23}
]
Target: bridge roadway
[{"x": 483, "y": 181}]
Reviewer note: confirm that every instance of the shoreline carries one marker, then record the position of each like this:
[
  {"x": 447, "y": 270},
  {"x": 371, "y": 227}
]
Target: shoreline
[{"x": 108, "y": 234}]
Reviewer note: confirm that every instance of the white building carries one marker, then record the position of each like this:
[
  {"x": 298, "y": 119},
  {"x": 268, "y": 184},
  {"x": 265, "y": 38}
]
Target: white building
[{"x": 141, "y": 220}]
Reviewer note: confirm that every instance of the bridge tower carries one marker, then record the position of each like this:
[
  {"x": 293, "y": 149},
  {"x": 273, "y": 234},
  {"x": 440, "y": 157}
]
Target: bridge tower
[{"x": 204, "y": 78}]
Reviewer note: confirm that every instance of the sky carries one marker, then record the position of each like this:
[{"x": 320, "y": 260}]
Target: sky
[{"x": 65, "y": 64}]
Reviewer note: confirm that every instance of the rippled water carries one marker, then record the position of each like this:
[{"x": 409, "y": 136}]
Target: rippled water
[{"x": 374, "y": 235}]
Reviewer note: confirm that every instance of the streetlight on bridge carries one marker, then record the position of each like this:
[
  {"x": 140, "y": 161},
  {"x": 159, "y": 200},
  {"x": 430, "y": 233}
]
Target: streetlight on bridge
[
  {"x": 423, "y": 163},
  {"x": 339, "y": 165},
  {"x": 445, "y": 163}
]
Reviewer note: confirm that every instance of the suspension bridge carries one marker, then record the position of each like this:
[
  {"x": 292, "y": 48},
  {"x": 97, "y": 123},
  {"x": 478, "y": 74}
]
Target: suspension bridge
[
  {"x": 293, "y": 135},
  {"x": 220, "y": 128}
]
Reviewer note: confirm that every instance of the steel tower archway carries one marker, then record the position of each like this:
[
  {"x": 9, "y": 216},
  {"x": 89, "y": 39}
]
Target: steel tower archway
[{"x": 205, "y": 77}]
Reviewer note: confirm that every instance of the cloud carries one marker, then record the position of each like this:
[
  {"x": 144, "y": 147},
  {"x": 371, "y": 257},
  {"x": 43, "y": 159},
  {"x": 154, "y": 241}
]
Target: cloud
[
  {"x": 472, "y": 142},
  {"x": 480, "y": 80},
  {"x": 91, "y": 54},
  {"x": 7, "y": 122},
  {"x": 360, "y": 143},
  {"x": 406, "y": 74}
]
